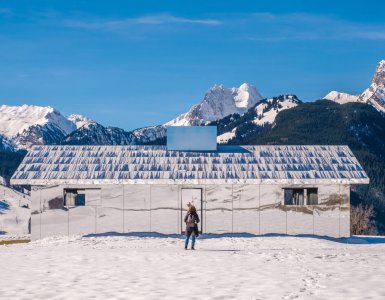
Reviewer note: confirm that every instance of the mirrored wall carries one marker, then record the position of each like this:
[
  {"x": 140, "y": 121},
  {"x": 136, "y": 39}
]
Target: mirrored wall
[{"x": 226, "y": 208}]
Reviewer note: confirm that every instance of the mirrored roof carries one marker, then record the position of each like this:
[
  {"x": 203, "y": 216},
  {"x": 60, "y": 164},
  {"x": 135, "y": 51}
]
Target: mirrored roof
[{"x": 157, "y": 165}]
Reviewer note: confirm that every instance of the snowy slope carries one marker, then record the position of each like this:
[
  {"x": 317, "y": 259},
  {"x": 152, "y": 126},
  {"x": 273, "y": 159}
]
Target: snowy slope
[
  {"x": 13, "y": 216},
  {"x": 341, "y": 98},
  {"x": 225, "y": 137},
  {"x": 261, "y": 114},
  {"x": 374, "y": 95},
  {"x": 268, "y": 110},
  {"x": 222, "y": 267}
]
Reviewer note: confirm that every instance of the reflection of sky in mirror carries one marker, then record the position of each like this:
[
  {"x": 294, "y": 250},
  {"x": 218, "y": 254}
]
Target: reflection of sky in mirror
[{"x": 192, "y": 138}]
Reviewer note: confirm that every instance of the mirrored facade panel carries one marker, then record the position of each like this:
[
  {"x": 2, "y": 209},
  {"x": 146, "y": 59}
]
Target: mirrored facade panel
[
  {"x": 219, "y": 209},
  {"x": 270, "y": 194},
  {"x": 272, "y": 211},
  {"x": 35, "y": 198},
  {"x": 52, "y": 197},
  {"x": 82, "y": 219},
  {"x": 345, "y": 210},
  {"x": 137, "y": 205},
  {"x": 110, "y": 217},
  {"x": 326, "y": 221},
  {"x": 165, "y": 209},
  {"x": 93, "y": 196},
  {"x": 300, "y": 220},
  {"x": 35, "y": 213},
  {"x": 192, "y": 138},
  {"x": 345, "y": 195},
  {"x": 273, "y": 220},
  {"x": 344, "y": 221},
  {"x": 54, "y": 222},
  {"x": 35, "y": 226},
  {"x": 246, "y": 208},
  {"x": 329, "y": 195},
  {"x": 54, "y": 215}
]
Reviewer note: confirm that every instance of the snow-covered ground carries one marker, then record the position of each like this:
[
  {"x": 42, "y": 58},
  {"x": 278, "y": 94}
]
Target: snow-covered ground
[
  {"x": 134, "y": 267},
  {"x": 14, "y": 211},
  {"x": 268, "y": 117},
  {"x": 225, "y": 137}
]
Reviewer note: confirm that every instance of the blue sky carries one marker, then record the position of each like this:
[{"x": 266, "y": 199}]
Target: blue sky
[{"x": 136, "y": 63}]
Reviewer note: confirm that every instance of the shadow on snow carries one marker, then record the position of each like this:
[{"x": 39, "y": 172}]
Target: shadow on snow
[{"x": 350, "y": 240}]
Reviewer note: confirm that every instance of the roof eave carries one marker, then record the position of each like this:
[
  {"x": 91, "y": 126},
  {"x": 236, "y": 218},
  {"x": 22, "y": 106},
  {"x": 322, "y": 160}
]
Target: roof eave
[{"x": 190, "y": 181}]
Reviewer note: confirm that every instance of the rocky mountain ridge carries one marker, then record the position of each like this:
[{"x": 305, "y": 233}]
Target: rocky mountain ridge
[
  {"x": 374, "y": 95},
  {"x": 26, "y": 125}
]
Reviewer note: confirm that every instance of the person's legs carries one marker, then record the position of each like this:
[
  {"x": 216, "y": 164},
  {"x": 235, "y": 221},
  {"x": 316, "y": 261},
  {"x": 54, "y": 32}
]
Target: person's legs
[
  {"x": 186, "y": 241},
  {"x": 193, "y": 241}
]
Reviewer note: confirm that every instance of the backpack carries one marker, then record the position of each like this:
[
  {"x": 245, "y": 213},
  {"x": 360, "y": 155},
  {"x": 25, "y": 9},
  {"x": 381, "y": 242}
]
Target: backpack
[{"x": 191, "y": 220}]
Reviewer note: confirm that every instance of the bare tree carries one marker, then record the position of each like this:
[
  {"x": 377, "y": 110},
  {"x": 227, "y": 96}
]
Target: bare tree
[{"x": 361, "y": 220}]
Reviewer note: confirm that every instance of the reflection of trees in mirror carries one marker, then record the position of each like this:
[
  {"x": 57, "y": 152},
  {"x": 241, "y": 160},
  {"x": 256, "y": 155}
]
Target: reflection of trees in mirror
[
  {"x": 361, "y": 220},
  {"x": 56, "y": 203}
]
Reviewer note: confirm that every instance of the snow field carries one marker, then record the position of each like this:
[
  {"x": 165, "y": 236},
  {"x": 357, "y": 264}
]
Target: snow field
[
  {"x": 129, "y": 267},
  {"x": 13, "y": 217}
]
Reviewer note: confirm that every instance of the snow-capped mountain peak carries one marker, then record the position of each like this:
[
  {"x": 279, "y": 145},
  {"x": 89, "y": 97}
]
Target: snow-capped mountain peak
[
  {"x": 25, "y": 125},
  {"x": 245, "y": 95},
  {"x": 218, "y": 103},
  {"x": 15, "y": 120},
  {"x": 374, "y": 95},
  {"x": 341, "y": 98},
  {"x": 79, "y": 120},
  {"x": 379, "y": 75}
]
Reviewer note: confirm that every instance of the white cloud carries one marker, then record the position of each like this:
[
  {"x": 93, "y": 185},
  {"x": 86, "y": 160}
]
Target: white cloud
[
  {"x": 161, "y": 19},
  {"x": 304, "y": 26},
  {"x": 117, "y": 24},
  {"x": 259, "y": 26}
]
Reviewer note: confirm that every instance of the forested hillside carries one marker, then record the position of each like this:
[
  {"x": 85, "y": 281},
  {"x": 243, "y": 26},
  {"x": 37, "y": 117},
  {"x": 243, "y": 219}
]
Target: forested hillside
[{"x": 9, "y": 161}]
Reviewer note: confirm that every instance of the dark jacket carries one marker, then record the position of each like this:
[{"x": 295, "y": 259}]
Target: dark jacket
[{"x": 194, "y": 229}]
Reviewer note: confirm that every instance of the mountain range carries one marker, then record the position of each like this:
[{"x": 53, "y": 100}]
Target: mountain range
[
  {"x": 242, "y": 116},
  {"x": 23, "y": 126}
]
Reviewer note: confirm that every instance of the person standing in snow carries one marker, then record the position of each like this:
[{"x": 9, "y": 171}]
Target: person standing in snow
[{"x": 191, "y": 219}]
